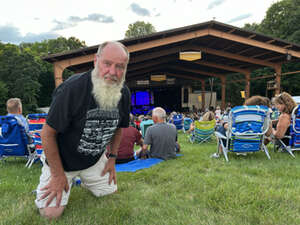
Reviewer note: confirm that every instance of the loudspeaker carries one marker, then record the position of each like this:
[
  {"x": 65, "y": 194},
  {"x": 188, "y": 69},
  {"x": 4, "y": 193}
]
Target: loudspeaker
[{"x": 185, "y": 95}]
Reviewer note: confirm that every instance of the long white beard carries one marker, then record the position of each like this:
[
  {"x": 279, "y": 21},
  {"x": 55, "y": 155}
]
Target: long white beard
[{"x": 106, "y": 95}]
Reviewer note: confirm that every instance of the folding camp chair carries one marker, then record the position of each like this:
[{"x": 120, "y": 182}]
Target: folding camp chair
[
  {"x": 144, "y": 129},
  {"x": 294, "y": 137},
  {"x": 247, "y": 126},
  {"x": 36, "y": 122},
  {"x": 186, "y": 124},
  {"x": 14, "y": 140},
  {"x": 177, "y": 120},
  {"x": 203, "y": 131}
]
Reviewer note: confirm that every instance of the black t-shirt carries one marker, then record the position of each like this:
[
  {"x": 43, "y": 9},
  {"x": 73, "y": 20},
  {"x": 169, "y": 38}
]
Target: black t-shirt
[{"x": 84, "y": 129}]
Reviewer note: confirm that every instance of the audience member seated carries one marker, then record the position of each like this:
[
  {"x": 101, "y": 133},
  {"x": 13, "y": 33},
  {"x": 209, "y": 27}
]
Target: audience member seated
[
  {"x": 14, "y": 108},
  {"x": 137, "y": 122},
  {"x": 218, "y": 114},
  {"x": 161, "y": 136},
  {"x": 147, "y": 121},
  {"x": 130, "y": 136},
  {"x": 254, "y": 100},
  {"x": 285, "y": 105},
  {"x": 208, "y": 116}
]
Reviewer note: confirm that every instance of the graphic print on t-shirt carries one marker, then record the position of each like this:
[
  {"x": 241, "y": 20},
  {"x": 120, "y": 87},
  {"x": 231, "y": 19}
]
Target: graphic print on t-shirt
[{"x": 99, "y": 127}]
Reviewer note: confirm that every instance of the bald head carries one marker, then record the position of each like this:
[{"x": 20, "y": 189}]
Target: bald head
[
  {"x": 113, "y": 45},
  {"x": 158, "y": 114}
]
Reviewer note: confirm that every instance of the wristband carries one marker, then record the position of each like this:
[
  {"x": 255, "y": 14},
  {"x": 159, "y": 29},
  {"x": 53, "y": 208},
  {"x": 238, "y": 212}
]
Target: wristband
[{"x": 110, "y": 155}]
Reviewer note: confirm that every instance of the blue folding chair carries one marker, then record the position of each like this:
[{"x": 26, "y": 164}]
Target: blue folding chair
[
  {"x": 294, "y": 137},
  {"x": 177, "y": 120},
  {"x": 247, "y": 126},
  {"x": 36, "y": 122},
  {"x": 187, "y": 124},
  {"x": 14, "y": 140}
]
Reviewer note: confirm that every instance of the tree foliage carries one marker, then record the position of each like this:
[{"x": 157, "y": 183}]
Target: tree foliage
[
  {"x": 138, "y": 29},
  {"x": 282, "y": 20},
  {"x": 25, "y": 75}
]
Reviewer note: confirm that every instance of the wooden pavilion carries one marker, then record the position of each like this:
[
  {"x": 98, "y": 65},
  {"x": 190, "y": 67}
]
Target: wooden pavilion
[{"x": 225, "y": 50}]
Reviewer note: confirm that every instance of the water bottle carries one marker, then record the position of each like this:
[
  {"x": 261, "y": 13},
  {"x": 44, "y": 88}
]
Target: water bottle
[{"x": 76, "y": 181}]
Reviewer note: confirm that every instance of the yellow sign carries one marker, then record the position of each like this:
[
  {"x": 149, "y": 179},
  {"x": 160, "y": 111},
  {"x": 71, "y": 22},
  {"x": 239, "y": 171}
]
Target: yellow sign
[
  {"x": 190, "y": 56},
  {"x": 158, "y": 77},
  {"x": 199, "y": 98},
  {"x": 243, "y": 94}
]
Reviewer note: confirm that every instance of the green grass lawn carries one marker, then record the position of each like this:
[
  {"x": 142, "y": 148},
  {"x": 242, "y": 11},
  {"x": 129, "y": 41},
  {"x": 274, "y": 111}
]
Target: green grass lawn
[{"x": 192, "y": 189}]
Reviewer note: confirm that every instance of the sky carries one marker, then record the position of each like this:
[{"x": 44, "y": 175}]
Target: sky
[{"x": 96, "y": 21}]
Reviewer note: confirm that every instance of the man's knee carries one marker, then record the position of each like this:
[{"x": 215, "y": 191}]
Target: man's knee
[{"x": 52, "y": 212}]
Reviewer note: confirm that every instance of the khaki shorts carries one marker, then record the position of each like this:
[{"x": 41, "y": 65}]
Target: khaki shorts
[{"x": 90, "y": 178}]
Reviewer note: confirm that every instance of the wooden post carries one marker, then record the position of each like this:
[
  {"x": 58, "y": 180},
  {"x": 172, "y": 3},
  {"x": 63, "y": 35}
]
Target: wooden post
[
  {"x": 223, "y": 97},
  {"x": 203, "y": 94},
  {"x": 277, "y": 79},
  {"x": 58, "y": 71},
  {"x": 247, "y": 86}
]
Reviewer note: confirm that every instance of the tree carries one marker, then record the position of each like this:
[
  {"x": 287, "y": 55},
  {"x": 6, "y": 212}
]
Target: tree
[
  {"x": 282, "y": 20},
  {"x": 25, "y": 75},
  {"x": 46, "y": 79},
  {"x": 19, "y": 71},
  {"x": 139, "y": 29},
  {"x": 3, "y": 97},
  {"x": 252, "y": 27}
]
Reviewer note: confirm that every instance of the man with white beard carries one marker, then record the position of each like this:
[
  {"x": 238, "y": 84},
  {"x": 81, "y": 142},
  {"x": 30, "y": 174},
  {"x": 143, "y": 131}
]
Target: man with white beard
[{"x": 86, "y": 114}]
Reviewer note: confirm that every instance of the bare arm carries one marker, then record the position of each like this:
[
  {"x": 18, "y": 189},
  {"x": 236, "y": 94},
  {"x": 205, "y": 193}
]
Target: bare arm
[
  {"x": 282, "y": 125},
  {"x": 58, "y": 181},
  {"x": 143, "y": 151},
  {"x": 140, "y": 142},
  {"x": 110, "y": 165},
  {"x": 270, "y": 129}
]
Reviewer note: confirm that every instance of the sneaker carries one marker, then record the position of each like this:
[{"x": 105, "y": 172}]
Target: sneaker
[
  {"x": 243, "y": 154},
  {"x": 215, "y": 155}
]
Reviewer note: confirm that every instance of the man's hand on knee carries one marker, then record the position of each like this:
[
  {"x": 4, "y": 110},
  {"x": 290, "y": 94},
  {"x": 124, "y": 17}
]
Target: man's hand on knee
[
  {"x": 55, "y": 189},
  {"x": 110, "y": 168}
]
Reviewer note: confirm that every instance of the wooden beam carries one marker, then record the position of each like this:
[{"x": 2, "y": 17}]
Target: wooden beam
[
  {"x": 260, "y": 54},
  {"x": 270, "y": 41},
  {"x": 252, "y": 42},
  {"x": 175, "y": 74},
  {"x": 158, "y": 53},
  {"x": 145, "y": 70},
  {"x": 288, "y": 46},
  {"x": 244, "y": 50},
  {"x": 231, "y": 31},
  {"x": 252, "y": 36},
  {"x": 76, "y": 60},
  {"x": 167, "y": 40},
  {"x": 184, "y": 76},
  {"x": 264, "y": 76},
  {"x": 133, "y": 67},
  {"x": 234, "y": 56},
  {"x": 196, "y": 71},
  {"x": 220, "y": 66},
  {"x": 229, "y": 46},
  {"x": 276, "y": 57}
]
